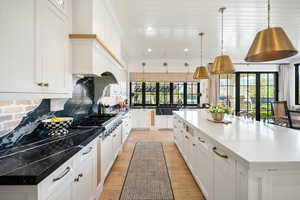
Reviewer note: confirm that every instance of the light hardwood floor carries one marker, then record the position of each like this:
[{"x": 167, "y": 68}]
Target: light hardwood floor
[{"x": 183, "y": 184}]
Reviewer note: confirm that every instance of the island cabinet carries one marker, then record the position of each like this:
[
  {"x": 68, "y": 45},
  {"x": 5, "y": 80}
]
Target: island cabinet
[
  {"x": 229, "y": 164},
  {"x": 213, "y": 168},
  {"x": 34, "y": 53}
]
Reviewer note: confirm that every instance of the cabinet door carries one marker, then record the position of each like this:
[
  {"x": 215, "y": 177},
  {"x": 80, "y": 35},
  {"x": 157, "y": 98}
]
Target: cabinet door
[
  {"x": 19, "y": 72},
  {"x": 170, "y": 122},
  {"x": 53, "y": 44},
  {"x": 203, "y": 166},
  {"x": 161, "y": 122},
  {"x": 65, "y": 192},
  {"x": 106, "y": 155},
  {"x": 117, "y": 140},
  {"x": 224, "y": 168},
  {"x": 187, "y": 145},
  {"x": 84, "y": 173},
  {"x": 84, "y": 181}
]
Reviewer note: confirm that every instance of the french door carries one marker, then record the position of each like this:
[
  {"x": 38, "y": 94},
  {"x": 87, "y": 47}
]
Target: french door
[{"x": 255, "y": 92}]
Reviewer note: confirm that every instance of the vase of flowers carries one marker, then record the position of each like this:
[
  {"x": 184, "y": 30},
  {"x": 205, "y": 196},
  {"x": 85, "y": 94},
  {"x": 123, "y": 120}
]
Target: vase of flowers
[{"x": 218, "y": 112}]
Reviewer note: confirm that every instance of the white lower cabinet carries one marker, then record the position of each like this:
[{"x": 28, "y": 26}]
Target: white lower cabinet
[
  {"x": 164, "y": 122},
  {"x": 106, "y": 155},
  {"x": 76, "y": 179},
  {"x": 141, "y": 118},
  {"x": 85, "y": 173},
  {"x": 224, "y": 171},
  {"x": 126, "y": 126},
  {"x": 202, "y": 164}
]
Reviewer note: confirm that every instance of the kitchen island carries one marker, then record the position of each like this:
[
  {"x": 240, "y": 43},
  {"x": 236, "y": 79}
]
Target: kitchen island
[{"x": 244, "y": 160}]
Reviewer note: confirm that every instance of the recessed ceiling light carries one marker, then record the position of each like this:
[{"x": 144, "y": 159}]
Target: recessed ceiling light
[
  {"x": 149, "y": 28},
  {"x": 149, "y": 50},
  {"x": 186, "y": 50}
]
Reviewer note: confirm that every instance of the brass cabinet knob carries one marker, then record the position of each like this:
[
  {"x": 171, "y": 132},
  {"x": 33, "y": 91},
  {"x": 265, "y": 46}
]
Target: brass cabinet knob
[
  {"x": 40, "y": 84},
  {"x": 46, "y": 84}
]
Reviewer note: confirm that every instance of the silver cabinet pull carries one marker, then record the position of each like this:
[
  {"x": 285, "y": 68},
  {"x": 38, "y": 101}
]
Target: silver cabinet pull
[
  {"x": 219, "y": 154},
  {"x": 67, "y": 170},
  {"x": 201, "y": 140},
  {"x": 88, "y": 151}
]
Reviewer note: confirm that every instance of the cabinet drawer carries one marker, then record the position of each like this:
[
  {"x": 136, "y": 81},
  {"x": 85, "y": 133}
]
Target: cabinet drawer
[
  {"x": 222, "y": 155},
  {"x": 57, "y": 179},
  {"x": 88, "y": 151}
]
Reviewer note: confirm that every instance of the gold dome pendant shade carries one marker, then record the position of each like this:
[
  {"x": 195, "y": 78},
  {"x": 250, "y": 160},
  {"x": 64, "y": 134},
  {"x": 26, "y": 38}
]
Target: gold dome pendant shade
[
  {"x": 270, "y": 44},
  {"x": 201, "y": 71},
  {"x": 222, "y": 63}
]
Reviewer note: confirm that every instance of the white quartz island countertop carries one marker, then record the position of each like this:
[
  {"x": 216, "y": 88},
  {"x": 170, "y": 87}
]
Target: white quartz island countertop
[{"x": 258, "y": 145}]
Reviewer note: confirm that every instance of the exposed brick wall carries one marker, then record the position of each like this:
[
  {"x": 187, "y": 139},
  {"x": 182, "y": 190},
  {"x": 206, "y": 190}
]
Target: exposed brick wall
[{"x": 12, "y": 112}]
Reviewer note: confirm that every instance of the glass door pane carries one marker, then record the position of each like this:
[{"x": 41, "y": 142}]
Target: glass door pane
[
  {"x": 267, "y": 94},
  {"x": 248, "y": 93},
  {"x": 192, "y": 93},
  {"x": 178, "y": 93},
  {"x": 150, "y": 93},
  {"x": 136, "y": 93},
  {"x": 164, "y": 93}
]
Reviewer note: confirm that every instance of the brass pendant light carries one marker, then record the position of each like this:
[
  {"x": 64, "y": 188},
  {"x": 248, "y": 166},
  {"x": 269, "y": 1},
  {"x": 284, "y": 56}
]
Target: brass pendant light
[
  {"x": 222, "y": 63},
  {"x": 270, "y": 44},
  {"x": 201, "y": 72}
]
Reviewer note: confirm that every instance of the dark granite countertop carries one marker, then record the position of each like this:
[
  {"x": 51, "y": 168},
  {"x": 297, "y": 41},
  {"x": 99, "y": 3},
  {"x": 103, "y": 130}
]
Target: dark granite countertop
[{"x": 30, "y": 163}]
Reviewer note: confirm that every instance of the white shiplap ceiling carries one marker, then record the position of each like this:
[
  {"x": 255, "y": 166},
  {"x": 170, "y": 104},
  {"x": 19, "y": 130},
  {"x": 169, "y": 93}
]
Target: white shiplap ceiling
[{"x": 176, "y": 24}]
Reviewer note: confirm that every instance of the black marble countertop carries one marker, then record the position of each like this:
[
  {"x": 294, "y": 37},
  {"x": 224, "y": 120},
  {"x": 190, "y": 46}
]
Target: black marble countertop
[{"x": 31, "y": 162}]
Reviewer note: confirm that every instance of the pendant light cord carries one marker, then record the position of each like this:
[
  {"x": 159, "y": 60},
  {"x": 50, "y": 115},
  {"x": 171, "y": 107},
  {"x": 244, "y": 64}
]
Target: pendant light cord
[
  {"x": 201, "y": 46},
  {"x": 269, "y": 10},
  {"x": 222, "y": 30}
]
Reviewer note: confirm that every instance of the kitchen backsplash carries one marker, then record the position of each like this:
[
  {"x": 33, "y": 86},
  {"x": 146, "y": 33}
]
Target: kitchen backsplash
[{"x": 12, "y": 112}]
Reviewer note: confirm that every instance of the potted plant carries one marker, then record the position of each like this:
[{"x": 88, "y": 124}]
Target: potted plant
[{"x": 217, "y": 112}]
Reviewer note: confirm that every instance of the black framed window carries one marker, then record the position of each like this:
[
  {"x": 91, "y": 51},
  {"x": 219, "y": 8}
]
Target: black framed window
[
  {"x": 178, "y": 93},
  {"x": 136, "y": 91},
  {"x": 164, "y": 93},
  {"x": 192, "y": 93},
  {"x": 150, "y": 93},
  {"x": 227, "y": 90},
  {"x": 297, "y": 84}
]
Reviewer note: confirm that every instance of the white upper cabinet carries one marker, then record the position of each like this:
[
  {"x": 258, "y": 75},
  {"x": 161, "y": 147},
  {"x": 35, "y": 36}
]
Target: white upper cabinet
[{"x": 34, "y": 56}]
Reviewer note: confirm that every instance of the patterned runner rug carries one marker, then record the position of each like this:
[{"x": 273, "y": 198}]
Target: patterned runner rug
[{"x": 147, "y": 176}]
